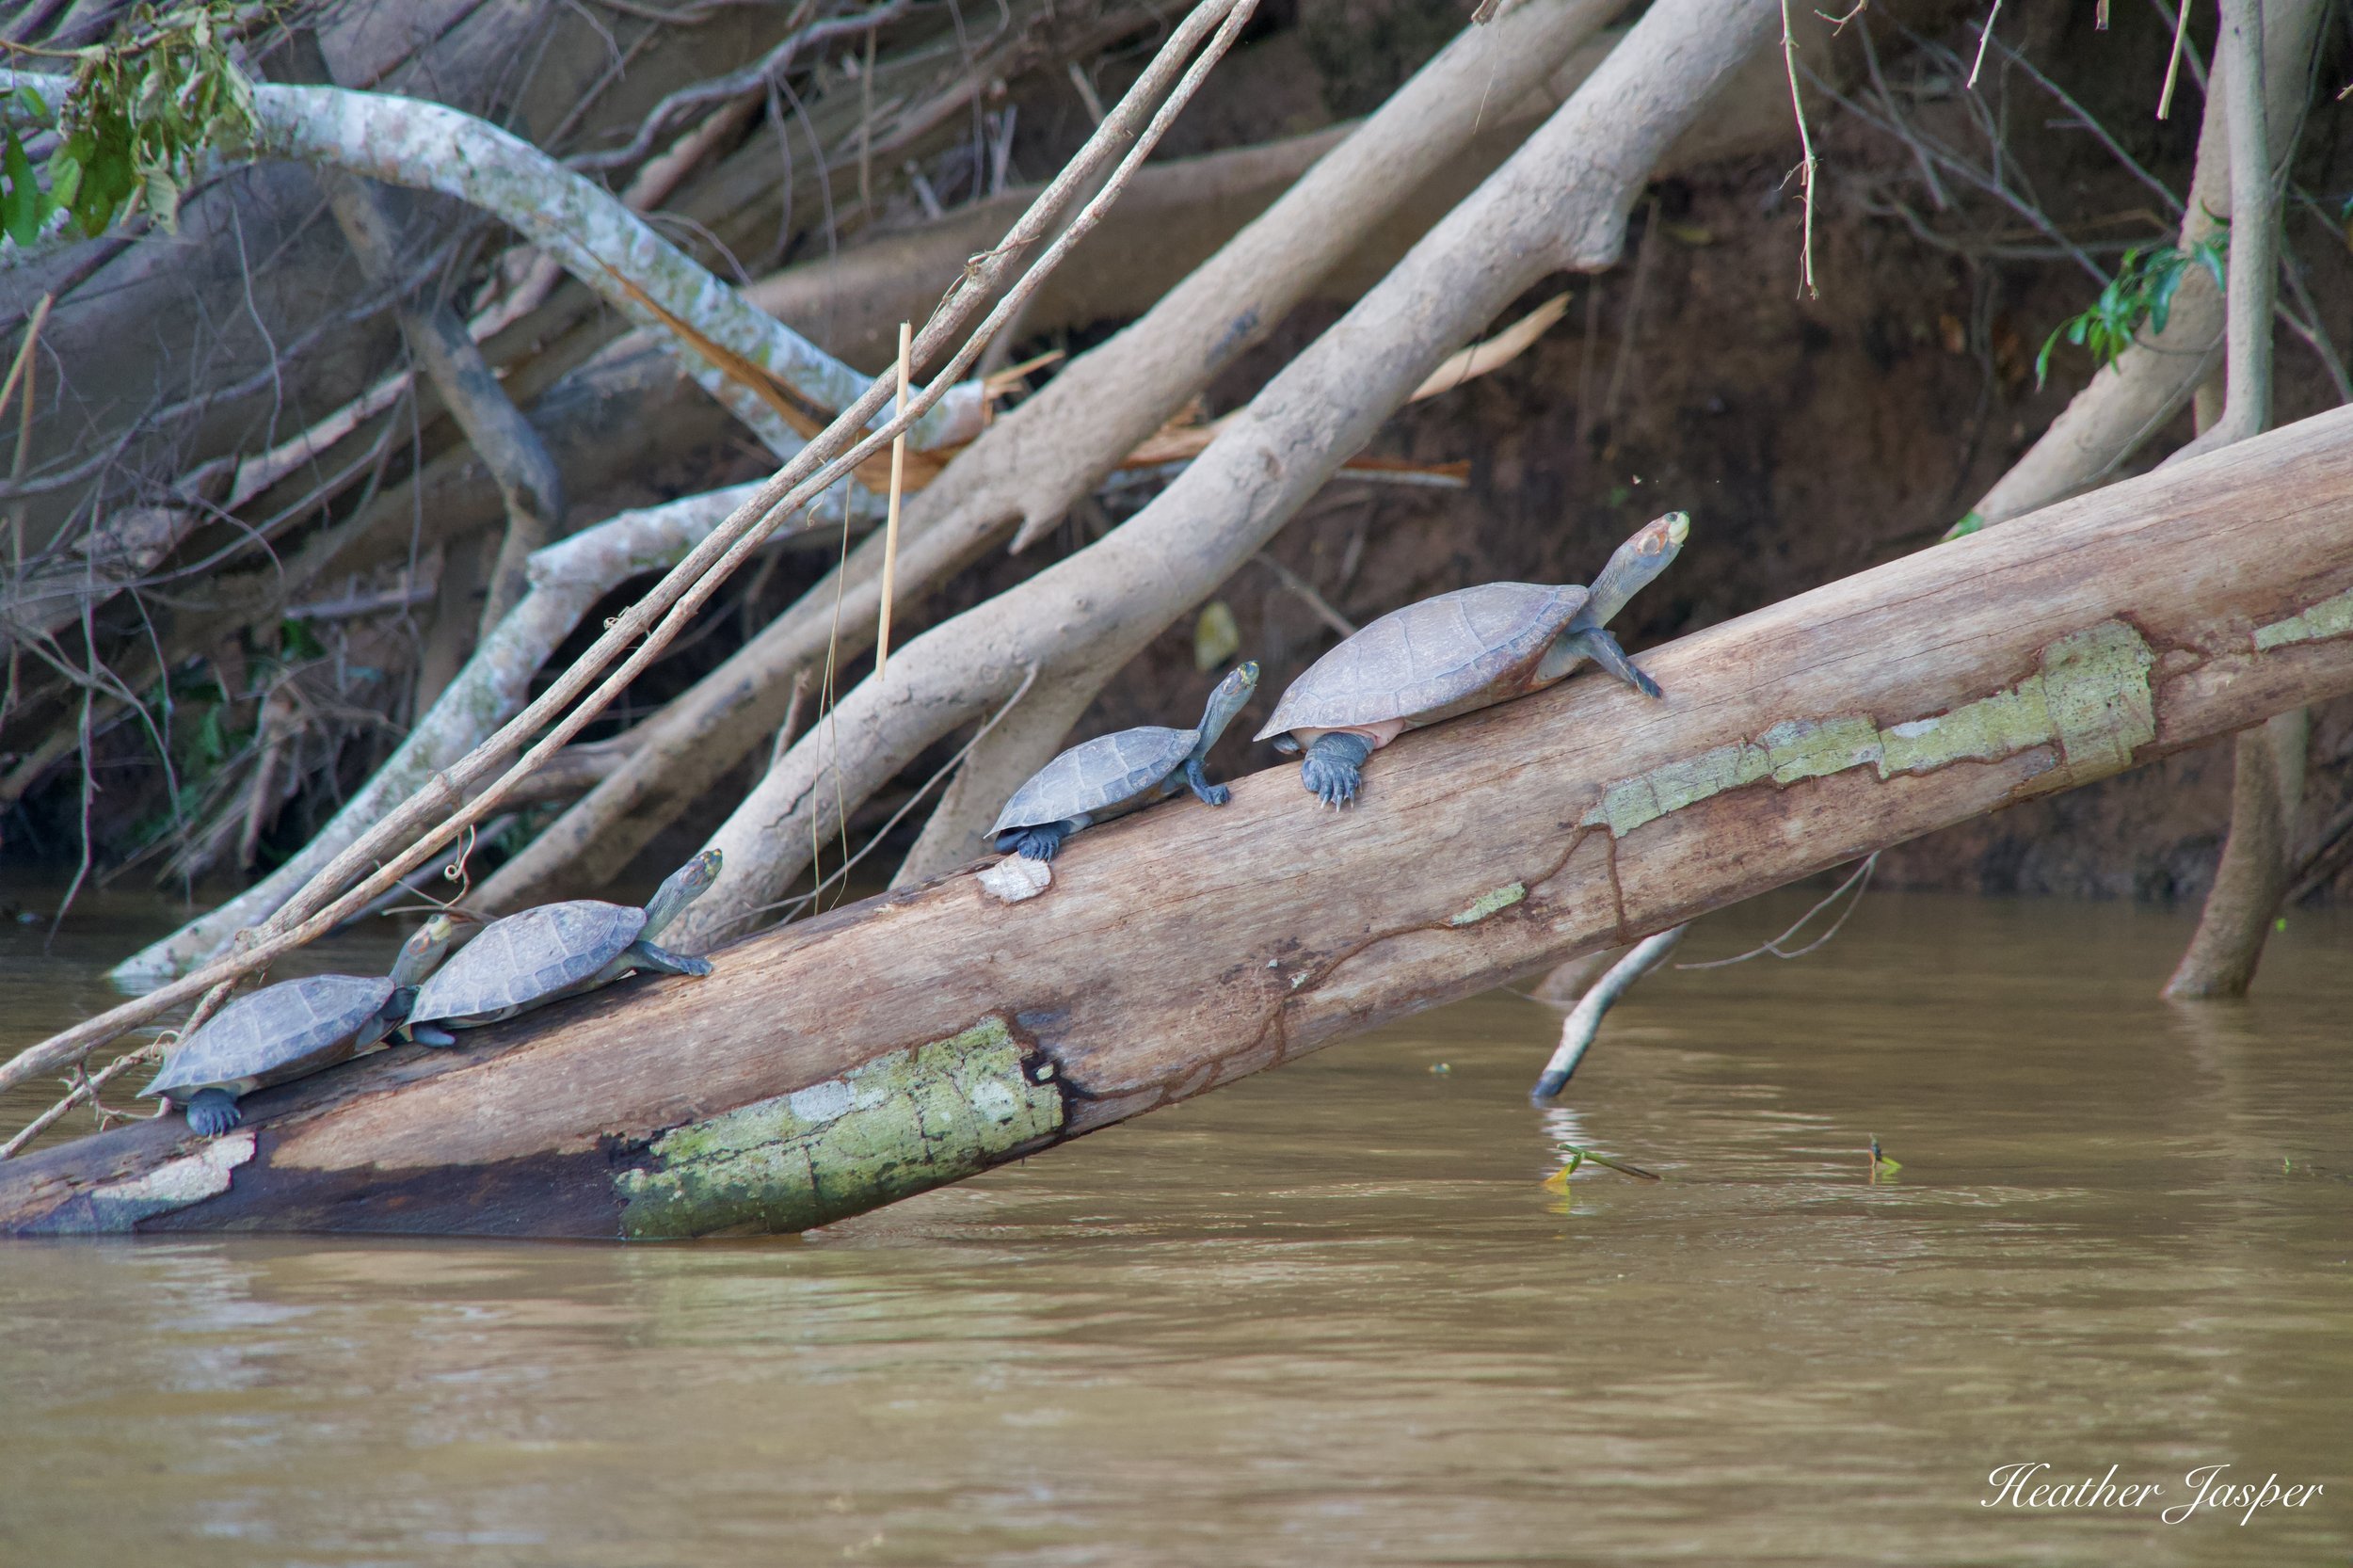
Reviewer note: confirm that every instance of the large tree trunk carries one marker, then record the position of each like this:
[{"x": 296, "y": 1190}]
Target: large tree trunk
[{"x": 918, "y": 1037}]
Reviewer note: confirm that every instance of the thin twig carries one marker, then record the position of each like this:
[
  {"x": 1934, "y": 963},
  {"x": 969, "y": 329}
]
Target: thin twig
[
  {"x": 794, "y": 904},
  {"x": 1985, "y": 36},
  {"x": 1805, "y": 145},
  {"x": 1306, "y": 594},
  {"x": 23, "y": 369},
  {"x": 1859, "y": 880},
  {"x": 890, "y": 517},
  {"x": 2173, "y": 61},
  {"x": 86, "y": 1087}
]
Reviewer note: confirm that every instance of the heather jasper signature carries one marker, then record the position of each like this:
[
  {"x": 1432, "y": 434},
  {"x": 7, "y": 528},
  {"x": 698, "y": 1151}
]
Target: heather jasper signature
[{"x": 2023, "y": 1486}]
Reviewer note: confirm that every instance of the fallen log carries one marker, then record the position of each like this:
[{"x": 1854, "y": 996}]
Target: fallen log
[{"x": 918, "y": 1037}]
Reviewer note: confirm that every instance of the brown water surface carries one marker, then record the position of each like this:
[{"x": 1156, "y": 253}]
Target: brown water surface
[{"x": 1332, "y": 1315}]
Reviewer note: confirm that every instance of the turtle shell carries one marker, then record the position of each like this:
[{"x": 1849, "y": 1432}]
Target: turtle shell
[
  {"x": 279, "y": 1031},
  {"x": 1096, "y": 776},
  {"x": 527, "y": 958},
  {"x": 1459, "y": 651}
]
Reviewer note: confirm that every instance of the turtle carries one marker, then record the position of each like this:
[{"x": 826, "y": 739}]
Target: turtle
[
  {"x": 1117, "y": 772},
  {"x": 292, "y": 1029},
  {"x": 1456, "y": 652},
  {"x": 558, "y": 949}
]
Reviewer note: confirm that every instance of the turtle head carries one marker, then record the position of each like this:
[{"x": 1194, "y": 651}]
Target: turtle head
[
  {"x": 1635, "y": 563},
  {"x": 423, "y": 952},
  {"x": 685, "y": 885},
  {"x": 1225, "y": 702}
]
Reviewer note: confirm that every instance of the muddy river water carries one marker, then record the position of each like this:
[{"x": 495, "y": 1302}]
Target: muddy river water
[{"x": 1332, "y": 1315}]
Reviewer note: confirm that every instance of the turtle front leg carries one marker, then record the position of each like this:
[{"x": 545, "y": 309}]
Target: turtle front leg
[
  {"x": 1211, "y": 795},
  {"x": 1333, "y": 766},
  {"x": 1596, "y": 644},
  {"x": 643, "y": 954},
  {"x": 212, "y": 1112},
  {"x": 430, "y": 1034}
]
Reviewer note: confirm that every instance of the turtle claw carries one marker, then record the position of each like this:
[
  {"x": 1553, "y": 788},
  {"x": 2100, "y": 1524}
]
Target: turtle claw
[
  {"x": 1039, "y": 843},
  {"x": 212, "y": 1112},
  {"x": 1329, "y": 784},
  {"x": 1331, "y": 771},
  {"x": 1217, "y": 795}
]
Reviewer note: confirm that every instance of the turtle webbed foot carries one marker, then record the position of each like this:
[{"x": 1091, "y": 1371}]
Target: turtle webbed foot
[
  {"x": 212, "y": 1112},
  {"x": 1602, "y": 649},
  {"x": 1198, "y": 781},
  {"x": 1038, "y": 843},
  {"x": 1333, "y": 783},
  {"x": 662, "y": 961},
  {"x": 1335, "y": 767}
]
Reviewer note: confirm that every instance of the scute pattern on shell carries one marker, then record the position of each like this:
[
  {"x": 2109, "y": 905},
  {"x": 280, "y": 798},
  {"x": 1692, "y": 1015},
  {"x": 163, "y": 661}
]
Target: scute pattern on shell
[
  {"x": 275, "y": 1028},
  {"x": 1099, "y": 773},
  {"x": 1424, "y": 657},
  {"x": 527, "y": 956}
]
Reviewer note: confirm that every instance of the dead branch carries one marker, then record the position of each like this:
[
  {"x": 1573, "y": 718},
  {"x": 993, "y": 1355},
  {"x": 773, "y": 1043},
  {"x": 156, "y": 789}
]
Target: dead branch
[
  {"x": 1030, "y": 467},
  {"x": 1091, "y": 612},
  {"x": 578, "y": 696}
]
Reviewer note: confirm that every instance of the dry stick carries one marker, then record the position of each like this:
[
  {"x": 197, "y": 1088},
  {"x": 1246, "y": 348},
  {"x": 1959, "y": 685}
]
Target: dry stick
[
  {"x": 791, "y": 907},
  {"x": 1584, "y": 1021},
  {"x": 1583, "y": 1024},
  {"x": 792, "y": 717},
  {"x": 85, "y": 1089},
  {"x": 1806, "y": 146},
  {"x": 890, "y": 518},
  {"x": 23, "y": 370},
  {"x": 820, "y": 464},
  {"x": 1306, "y": 593},
  {"x": 1859, "y": 879},
  {"x": 2173, "y": 62},
  {"x": 1986, "y": 37}
]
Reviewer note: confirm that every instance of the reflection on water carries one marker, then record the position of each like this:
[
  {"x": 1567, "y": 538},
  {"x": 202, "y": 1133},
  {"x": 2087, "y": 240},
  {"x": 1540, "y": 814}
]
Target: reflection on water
[{"x": 1333, "y": 1315}]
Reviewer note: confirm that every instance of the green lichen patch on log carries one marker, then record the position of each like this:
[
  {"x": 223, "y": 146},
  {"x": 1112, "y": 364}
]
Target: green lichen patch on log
[
  {"x": 1492, "y": 901},
  {"x": 2331, "y": 618},
  {"x": 888, "y": 1128},
  {"x": 2090, "y": 699}
]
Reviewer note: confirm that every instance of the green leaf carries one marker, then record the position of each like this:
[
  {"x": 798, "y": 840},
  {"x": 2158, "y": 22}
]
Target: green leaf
[
  {"x": 21, "y": 206},
  {"x": 2161, "y": 297},
  {"x": 162, "y": 199},
  {"x": 65, "y": 178},
  {"x": 1969, "y": 524},
  {"x": 2042, "y": 364}
]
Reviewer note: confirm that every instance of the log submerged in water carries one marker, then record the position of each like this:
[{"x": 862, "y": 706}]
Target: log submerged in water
[{"x": 918, "y": 1037}]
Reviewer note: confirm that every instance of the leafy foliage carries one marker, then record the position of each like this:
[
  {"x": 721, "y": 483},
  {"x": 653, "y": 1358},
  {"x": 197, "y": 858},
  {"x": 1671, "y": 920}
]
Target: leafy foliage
[
  {"x": 138, "y": 114},
  {"x": 2140, "y": 293}
]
